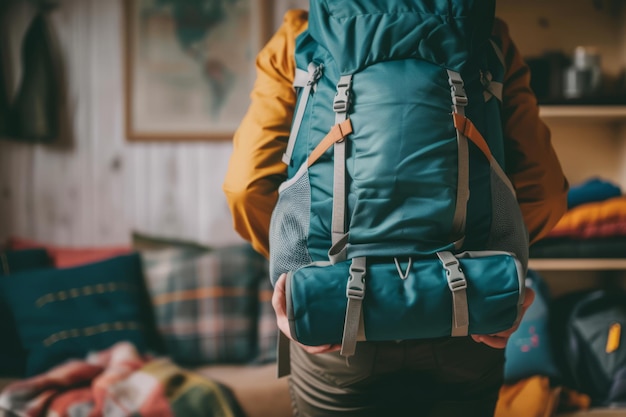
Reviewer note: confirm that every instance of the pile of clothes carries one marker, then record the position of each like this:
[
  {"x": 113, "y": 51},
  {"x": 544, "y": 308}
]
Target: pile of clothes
[
  {"x": 119, "y": 381},
  {"x": 593, "y": 227}
]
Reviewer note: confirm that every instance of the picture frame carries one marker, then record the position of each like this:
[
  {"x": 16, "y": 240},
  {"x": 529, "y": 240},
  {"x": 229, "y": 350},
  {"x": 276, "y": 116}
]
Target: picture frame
[{"x": 190, "y": 66}]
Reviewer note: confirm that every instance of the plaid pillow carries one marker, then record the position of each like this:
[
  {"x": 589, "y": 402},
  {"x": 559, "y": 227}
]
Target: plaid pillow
[
  {"x": 205, "y": 301},
  {"x": 267, "y": 328}
]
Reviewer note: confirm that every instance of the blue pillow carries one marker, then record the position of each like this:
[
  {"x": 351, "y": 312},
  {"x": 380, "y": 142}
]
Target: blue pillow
[
  {"x": 529, "y": 351},
  {"x": 67, "y": 313},
  {"x": 13, "y": 261},
  {"x": 12, "y": 354}
]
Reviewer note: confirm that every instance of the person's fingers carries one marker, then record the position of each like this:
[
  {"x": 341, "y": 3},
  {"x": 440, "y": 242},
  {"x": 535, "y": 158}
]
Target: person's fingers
[
  {"x": 529, "y": 297},
  {"x": 500, "y": 339},
  {"x": 279, "y": 300},
  {"x": 315, "y": 350},
  {"x": 279, "y": 303},
  {"x": 495, "y": 342}
]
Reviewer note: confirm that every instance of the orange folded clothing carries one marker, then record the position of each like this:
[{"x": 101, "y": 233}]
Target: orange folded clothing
[{"x": 592, "y": 220}]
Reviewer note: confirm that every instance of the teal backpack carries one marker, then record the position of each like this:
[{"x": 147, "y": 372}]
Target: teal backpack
[{"x": 397, "y": 220}]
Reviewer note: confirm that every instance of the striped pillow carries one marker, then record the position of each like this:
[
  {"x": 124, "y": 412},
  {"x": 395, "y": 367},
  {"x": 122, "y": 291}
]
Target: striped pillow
[{"x": 66, "y": 313}]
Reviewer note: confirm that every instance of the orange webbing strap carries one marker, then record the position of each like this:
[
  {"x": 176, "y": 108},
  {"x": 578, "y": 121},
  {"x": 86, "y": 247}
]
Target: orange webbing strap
[
  {"x": 337, "y": 133},
  {"x": 470, "y": 131}
]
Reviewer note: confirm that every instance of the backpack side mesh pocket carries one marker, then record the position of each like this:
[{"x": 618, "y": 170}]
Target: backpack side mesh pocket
[
  {"x": 289, "y": 227},
  {"x": 508, "y": 231}
]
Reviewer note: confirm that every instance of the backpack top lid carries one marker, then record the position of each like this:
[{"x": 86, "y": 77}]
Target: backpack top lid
[{"x": 358, "y": 33}]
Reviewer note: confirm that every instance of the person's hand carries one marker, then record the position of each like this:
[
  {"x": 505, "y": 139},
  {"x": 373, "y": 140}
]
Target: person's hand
[
  {"x": 279, "y": 302},
  {"x": 499, "y": 340}
]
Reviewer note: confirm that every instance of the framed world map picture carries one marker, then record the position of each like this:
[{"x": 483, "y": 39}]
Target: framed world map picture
[{"x": 190, "y": 66}]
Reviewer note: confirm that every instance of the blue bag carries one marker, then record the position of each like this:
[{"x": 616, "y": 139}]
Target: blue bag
[{"x": 396, "y": 152}]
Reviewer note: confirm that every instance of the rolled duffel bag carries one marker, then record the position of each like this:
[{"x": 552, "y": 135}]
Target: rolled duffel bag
[{"x": 451, "y": 295}]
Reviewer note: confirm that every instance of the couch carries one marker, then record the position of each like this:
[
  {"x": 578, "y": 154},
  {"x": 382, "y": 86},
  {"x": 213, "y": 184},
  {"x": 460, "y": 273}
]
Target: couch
[{"x": 206, "y": 309}]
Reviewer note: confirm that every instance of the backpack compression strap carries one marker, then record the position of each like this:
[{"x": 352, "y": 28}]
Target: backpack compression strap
[
  {"x": 355, "y": 292},
  {"x": 459, "y": 101},
  {"x": 337, "y": 133},
  {"x": 458, "y": 286},
  {"x": 493, "y": 88},
  {"x": 339, "y": 237},
  {"x": 306, "y": 79},
  {"x": 355, "y": 288},
  {"x": 470, "y": 131}
]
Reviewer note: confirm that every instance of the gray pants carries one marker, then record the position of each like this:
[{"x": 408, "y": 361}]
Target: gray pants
[{"x": 448, "y": 377}]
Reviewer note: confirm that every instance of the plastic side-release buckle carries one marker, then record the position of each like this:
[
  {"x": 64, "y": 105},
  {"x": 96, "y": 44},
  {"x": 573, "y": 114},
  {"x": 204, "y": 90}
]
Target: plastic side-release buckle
[
  {"x": 355, "y": 288},
  {"x": 454, "y": 274},
  {"x": 457, "y": 89},
  {"x": 342, "y": 100}
]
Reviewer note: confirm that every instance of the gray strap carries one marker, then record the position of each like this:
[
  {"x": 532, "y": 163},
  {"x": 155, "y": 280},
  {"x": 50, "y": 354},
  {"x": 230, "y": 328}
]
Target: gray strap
[
  {"x": 459, "y": 101},
  {"x": 302, "y": 78},
  {"x": 492, "y": 88},
  {"x": 283, "y": 355},
  {"x": 355, "y": 291},
  {"x": 498, "y": 52},
  {"x": 314, "y": 73},
  {"x": 495, "y": 87},
  {"x": 458, "y": 286},
  {"x": 341, "y": 105},
  {"x": 339, "y": 250}
]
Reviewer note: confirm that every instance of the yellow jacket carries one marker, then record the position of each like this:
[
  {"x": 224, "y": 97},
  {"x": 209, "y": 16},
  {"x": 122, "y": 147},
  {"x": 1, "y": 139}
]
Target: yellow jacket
[{"x": 255, "y": 170}]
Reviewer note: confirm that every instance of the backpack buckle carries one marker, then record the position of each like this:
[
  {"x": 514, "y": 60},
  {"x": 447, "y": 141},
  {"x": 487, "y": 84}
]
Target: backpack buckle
[
  {"x": 454, "y": 272},
  {"x": 456, "y": 278},
  {"x": 342, "y": 100},
  {"x": 457, "y": 89},
  {"x": 355, "y": 288}
]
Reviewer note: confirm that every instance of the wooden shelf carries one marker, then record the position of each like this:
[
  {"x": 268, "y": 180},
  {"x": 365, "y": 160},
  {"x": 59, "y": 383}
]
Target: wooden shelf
[
  {"x": 596, "y": 412},
  {"x": 606, "y": 112},
  {"x": 577, "y": 264}
]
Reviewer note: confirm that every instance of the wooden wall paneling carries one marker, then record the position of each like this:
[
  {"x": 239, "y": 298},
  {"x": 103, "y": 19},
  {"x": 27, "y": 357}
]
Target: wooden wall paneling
[
  {"x": 136, "y": 167},
  {"x": 199, "y": 154},
  {"x": 64, "y": 176},
  {"x": 16, "y": 168},
  {"x": 107, "y": 151},
  {"x": 6, "y": 212},
  {"x": 16, "y": 159},
  {"x": 163, "y": 183},
  {"x": 221, "y": 223},
  {"x": 186, "y": 199}
]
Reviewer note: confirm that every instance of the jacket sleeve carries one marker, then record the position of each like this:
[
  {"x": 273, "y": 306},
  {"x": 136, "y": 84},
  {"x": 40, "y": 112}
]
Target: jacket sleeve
[
  {"x": 255, "y": 169},
  {"x": 531, "y": 162}
]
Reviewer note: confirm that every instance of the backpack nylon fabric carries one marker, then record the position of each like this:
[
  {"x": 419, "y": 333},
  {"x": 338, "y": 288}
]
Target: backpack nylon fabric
[{"x": 422, "y": 170}]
